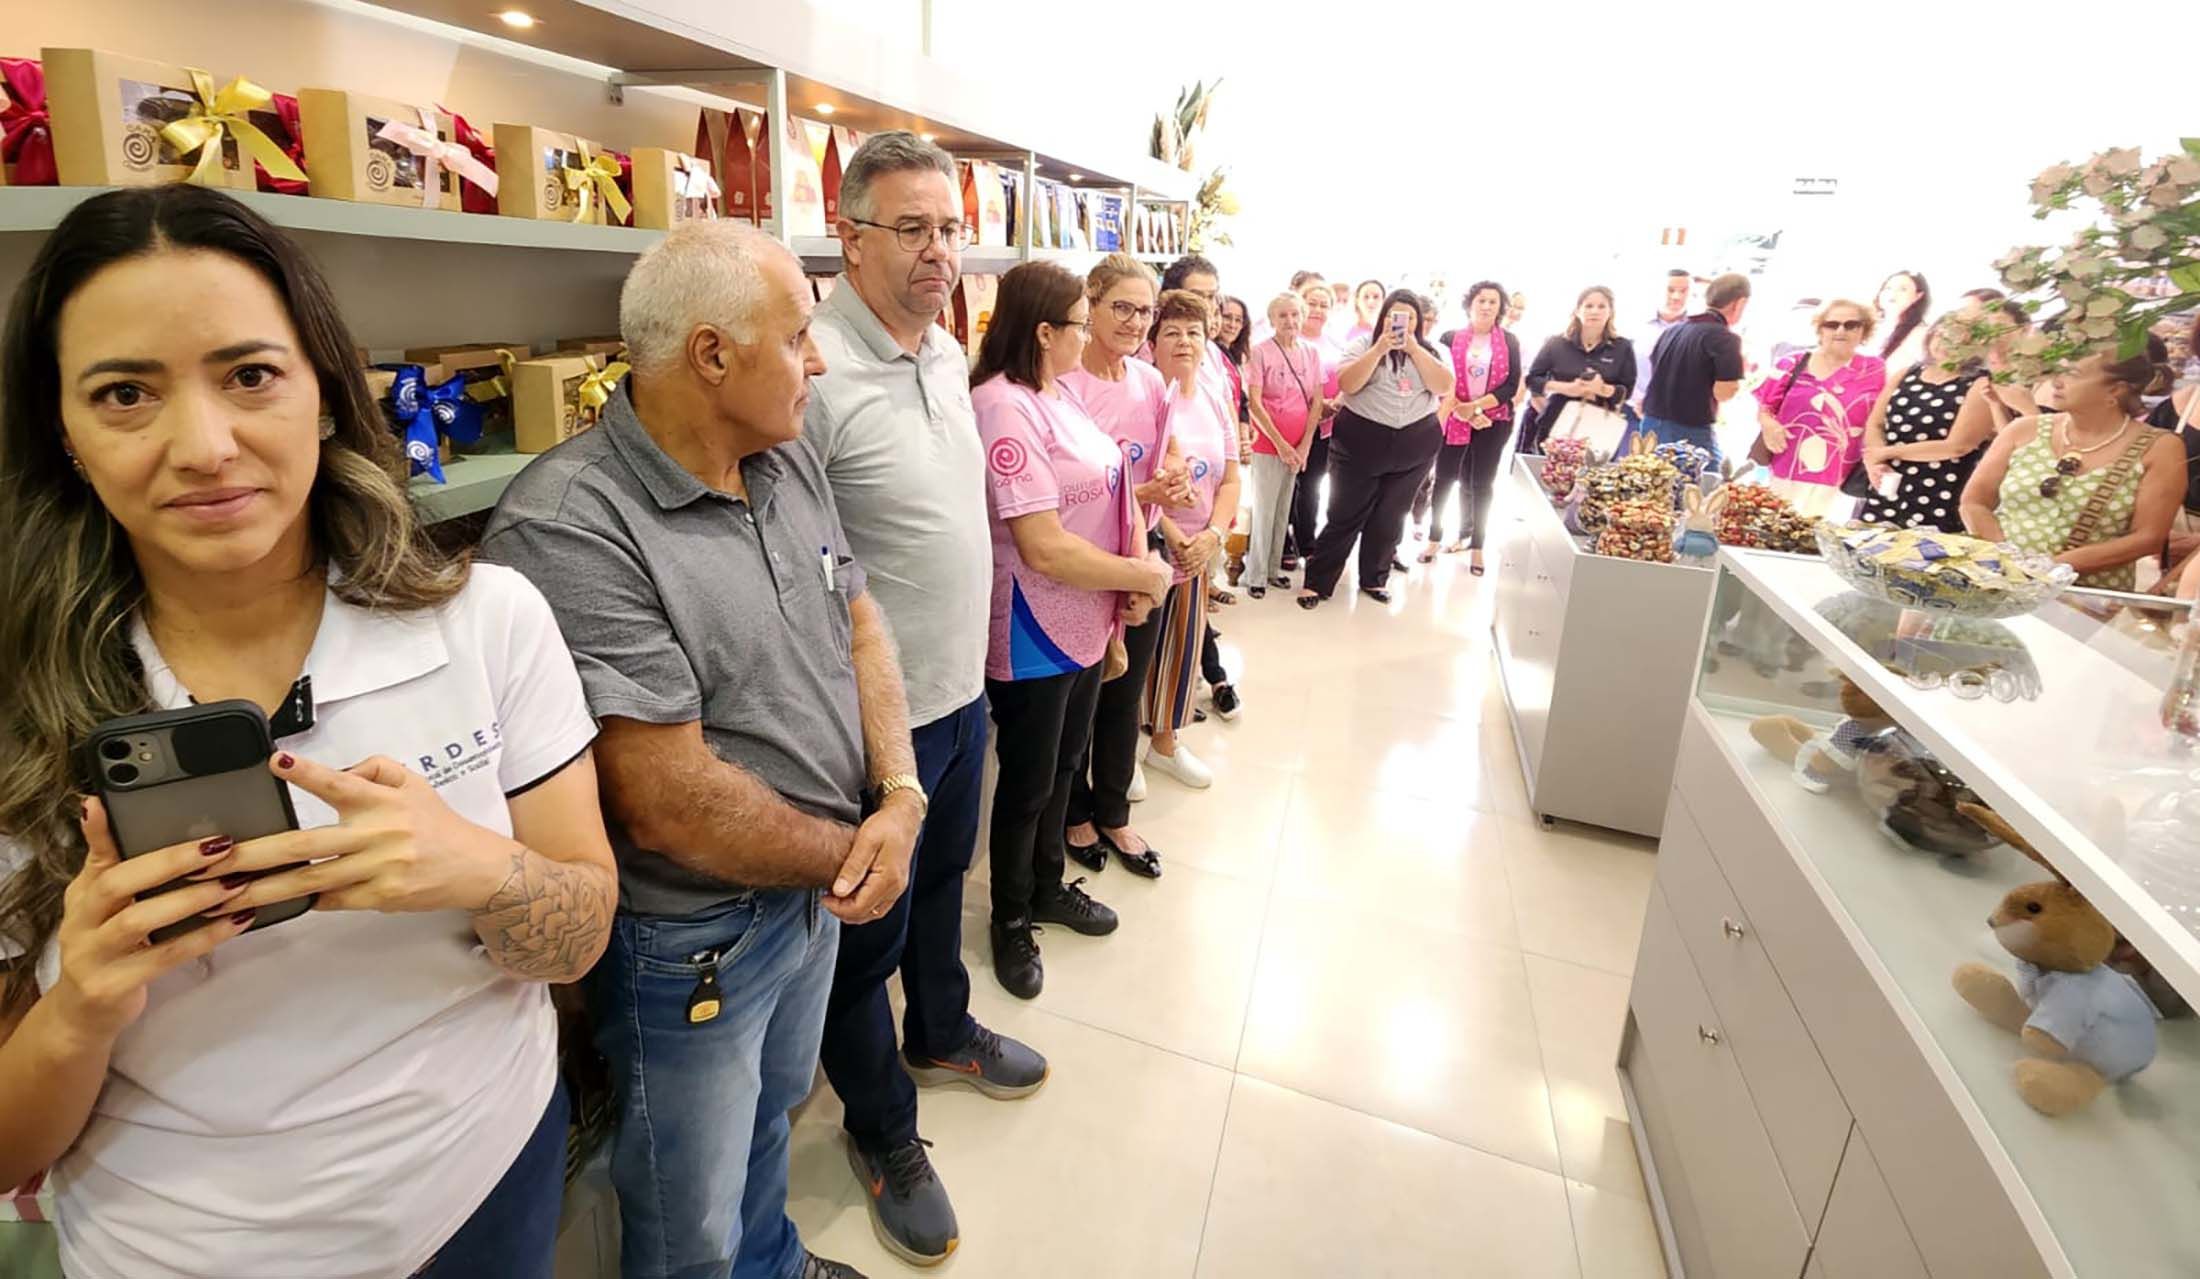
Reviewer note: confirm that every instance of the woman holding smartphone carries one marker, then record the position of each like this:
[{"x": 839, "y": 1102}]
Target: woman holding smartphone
[{"x": 199, "y": 508}]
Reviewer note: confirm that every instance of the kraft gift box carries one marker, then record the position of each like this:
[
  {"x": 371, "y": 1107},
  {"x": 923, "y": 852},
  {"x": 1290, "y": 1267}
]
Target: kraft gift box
[{"x": 348, "y": 156}]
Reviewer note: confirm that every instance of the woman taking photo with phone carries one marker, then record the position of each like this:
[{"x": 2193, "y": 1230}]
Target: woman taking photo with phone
[
  {"x": 199, "y": 510},
  {"x": 1386, "y": 437}
]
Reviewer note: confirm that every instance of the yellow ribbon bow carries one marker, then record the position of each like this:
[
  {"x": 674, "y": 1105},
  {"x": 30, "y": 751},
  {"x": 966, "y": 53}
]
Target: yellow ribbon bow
[
  {"x": 596, "y": 388},
  {"x": 593, "y": 175},
  {"x": 221, "y": 113},
  {"x": 494, "y": 388}
]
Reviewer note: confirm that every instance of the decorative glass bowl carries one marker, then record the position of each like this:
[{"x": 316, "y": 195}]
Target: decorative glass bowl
[{"x": 1942, "y": 572}]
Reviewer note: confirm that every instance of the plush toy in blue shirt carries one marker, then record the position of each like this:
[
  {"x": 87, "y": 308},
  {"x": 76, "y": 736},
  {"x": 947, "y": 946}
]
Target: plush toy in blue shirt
[{"x": 2086, "y": 1024}]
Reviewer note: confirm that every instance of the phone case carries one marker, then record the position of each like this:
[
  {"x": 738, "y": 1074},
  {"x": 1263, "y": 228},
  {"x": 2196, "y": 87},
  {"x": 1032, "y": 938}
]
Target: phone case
[{"x": 228, "y": 791}]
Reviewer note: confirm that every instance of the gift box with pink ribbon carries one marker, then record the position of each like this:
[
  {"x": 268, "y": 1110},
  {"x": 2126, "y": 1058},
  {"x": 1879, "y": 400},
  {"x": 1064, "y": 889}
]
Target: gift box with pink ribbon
[{"x": 381, "y": 151}]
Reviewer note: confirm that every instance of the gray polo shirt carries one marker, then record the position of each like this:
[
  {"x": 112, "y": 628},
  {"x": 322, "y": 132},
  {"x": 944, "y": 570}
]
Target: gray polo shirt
[
  {"x": 683, "y": 603},
  {"x": 900, "y": 446},
  {"x": 1393, "y": 397}
]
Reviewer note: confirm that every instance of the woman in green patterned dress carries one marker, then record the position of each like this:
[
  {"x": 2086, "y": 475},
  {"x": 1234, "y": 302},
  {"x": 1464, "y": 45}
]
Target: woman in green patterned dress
[{"x": 2091, "y": 485}]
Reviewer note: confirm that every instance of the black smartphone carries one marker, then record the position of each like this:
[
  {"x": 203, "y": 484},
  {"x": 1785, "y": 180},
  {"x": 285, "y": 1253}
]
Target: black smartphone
[{"x": 172, "y": 777}]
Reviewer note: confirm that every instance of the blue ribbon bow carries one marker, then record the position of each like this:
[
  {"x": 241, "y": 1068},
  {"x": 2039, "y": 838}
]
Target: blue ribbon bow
[{"x": 423, "y": 413}]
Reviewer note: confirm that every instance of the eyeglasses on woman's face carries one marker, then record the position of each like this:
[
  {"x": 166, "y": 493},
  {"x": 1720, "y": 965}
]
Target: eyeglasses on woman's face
[
  {"x": 1840, "y": 326},
  {"x": 1131, "y": 312},
  {"x": 1082, "y": 326},
  {"x": 915, "y": 235}
]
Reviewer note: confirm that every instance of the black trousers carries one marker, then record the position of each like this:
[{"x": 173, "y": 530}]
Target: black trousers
[
  {"x": 1374, "y": 471},
  {"x": 1042, "y": 728},
  {"x": 1472, "y": 468},
  {"x": 1211, "y": 668},
  {"x": 1105, "y": 800},
  {"x": 1306, "y": 495}
]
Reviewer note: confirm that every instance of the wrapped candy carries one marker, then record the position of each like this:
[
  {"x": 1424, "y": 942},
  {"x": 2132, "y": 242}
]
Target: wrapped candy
[
  {"x": 1755, "y": 516},
  {"x": 1563, "y": 461},
  {"x": 1641, "y": 476},
  {"x": 1638, "y": 529},
  {"x": 1688, "y": 459}
]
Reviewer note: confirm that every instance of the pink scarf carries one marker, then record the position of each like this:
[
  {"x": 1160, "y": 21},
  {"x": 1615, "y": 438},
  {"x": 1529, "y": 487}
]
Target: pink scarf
[{"x": 1458, "y": 429}]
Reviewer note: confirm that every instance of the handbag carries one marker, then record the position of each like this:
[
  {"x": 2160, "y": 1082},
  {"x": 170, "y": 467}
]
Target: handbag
[
  {"x": 1600, "y": 428},
  {"x": 1760, "y": 452}
]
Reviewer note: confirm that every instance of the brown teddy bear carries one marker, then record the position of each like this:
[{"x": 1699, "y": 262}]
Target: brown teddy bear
[
  {"x": 2087, "y": 1024},
  {"x": 1821, "y": 759}
]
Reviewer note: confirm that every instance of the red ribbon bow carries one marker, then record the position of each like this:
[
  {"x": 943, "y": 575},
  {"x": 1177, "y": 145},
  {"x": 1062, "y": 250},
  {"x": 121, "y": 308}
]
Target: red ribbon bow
[
  {"x": 293, "y": 143},
  {"x": 471, "y": 197},
  {"x": 26, "y": 131}
]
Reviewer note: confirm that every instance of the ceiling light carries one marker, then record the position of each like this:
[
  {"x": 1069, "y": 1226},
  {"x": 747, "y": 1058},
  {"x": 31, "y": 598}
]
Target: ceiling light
[
  {"x": 926, "y": 137},
  {"x": 517, "y": 19},
  {"x": 1076, "y": 177},
  {"x": 824, "y": 108}
]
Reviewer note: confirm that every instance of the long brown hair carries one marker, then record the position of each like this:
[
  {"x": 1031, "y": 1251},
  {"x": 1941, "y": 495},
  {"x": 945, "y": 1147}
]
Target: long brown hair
[
  {"x": 1611, "y": 322},
  {"x": 67, "y": 573},
  {"x": 1032, "y": 294}
]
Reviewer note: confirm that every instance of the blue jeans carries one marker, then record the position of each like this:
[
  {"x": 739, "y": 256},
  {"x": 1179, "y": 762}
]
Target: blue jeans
[
  {"x": 1667, "y": 431},
  {"x": 699, "y": 1156},
  {"x": 515, "y": 1230},
  {"x": 922, "y": 936}
]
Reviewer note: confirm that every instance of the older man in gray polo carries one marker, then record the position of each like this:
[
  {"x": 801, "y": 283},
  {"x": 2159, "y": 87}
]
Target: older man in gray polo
[
  {"x": 755, "y": 758},
  {"x": 891, "y": 418}
]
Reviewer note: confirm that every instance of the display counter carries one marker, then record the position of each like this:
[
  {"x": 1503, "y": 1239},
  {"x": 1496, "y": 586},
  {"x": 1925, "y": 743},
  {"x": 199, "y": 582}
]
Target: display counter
[
  {"x": 1595, "y": 655},
  {"x": 1811, "y": 1094}
]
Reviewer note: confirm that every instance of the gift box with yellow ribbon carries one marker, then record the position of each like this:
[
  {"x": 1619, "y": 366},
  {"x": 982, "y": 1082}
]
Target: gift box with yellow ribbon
[
  {"x": 671, "y": 187},
  {"x": 381, "y": 151},
  {"x": 552, "y": 176},
  {"x": 122, "y": 121},
  {"x": 556, "y": 397}
]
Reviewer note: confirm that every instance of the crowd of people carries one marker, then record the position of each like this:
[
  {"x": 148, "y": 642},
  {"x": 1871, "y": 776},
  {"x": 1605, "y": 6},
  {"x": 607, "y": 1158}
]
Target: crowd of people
[{"x": 702, "y": 727}]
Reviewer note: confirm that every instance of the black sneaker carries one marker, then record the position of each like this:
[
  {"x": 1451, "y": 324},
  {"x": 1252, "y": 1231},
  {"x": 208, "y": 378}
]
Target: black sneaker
[
  {"x": 1069, "y": 906},
  {"x": 1016, "y": 959},
  {"x": 816, "y": 1267},
  {"x": 1226, "y": 701},
  {"x": 993, "y": 1064},
  {"x": 910, "y": 1213}
]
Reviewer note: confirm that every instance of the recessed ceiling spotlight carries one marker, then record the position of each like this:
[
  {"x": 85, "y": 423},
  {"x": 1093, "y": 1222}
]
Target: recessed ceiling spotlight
[
  {"x": 927, "y": 137},
  {"x": 825, "y": 108},
  {"x": 517, "y": 19},
  {"x": 1076, "y": 177}
]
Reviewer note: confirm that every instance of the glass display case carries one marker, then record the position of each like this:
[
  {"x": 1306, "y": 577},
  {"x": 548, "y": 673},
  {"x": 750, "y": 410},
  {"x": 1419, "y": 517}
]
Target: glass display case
[{"x": 1836, "y": 758}]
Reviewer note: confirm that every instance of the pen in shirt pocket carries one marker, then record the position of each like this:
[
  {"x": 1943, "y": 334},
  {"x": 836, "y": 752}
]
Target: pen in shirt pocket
[{"x": 825, "y": 565}]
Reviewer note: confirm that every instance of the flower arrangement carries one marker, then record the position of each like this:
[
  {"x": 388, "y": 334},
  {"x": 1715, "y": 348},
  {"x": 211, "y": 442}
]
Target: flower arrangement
[
  {"x": 1214, "y": 202},
  {"x": 2136, "y": 263},
  {"x": 1175, "y": 132}
]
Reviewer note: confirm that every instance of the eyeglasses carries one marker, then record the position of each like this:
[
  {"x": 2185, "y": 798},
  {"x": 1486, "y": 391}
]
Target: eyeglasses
[
  {"x": 2065, "y": 467},
  {"x": 1082, "y": 326},
  {"x": 1130, "y": 312},
  {"x": 1840, "y": 326},
  {"x": 916, "y": 237}
]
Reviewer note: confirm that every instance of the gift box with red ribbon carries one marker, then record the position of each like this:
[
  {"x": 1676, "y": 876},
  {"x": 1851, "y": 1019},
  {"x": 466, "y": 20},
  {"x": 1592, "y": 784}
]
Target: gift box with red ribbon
[{"x": 26, "y": 130}]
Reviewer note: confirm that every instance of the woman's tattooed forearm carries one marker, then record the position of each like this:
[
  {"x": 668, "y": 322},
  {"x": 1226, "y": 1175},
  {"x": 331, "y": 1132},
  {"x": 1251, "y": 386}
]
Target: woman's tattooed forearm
[{"x": 548, "y": 920}]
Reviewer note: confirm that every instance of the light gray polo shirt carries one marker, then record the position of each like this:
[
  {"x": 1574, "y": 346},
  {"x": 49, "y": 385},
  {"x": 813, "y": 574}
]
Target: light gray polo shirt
[
  {"x": 1393, "y": 397},
  {"x": 901, "y": 450},
  {"x": 681, "y": 603}
]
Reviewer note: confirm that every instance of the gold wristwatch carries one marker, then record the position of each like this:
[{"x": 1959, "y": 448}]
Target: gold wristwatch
[{"x": 885, "y": 786}]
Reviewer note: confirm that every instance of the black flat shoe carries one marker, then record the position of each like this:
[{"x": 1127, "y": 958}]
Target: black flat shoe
[
  {"x": 1310, "y": 602},
  {"x": 1146, "y": 864},
  {"x": 1257, "y": 592},
  {"x": 1093, "y": 857},
  {"x": 1380, "y": 595},
  {"x": 1279, "y": 582},
  {"x": 1475, "y": 569}
]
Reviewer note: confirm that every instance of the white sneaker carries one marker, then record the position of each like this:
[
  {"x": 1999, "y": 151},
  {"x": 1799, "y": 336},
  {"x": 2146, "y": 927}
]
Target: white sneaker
[
  {"x": 1137, "y": 788},
  {"x": 1183, "y": 766}
]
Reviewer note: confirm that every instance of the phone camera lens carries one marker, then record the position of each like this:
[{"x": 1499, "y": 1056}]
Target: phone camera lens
[
  {"x": 115, "y": 748},
  {"x": 122, "y": 774}
]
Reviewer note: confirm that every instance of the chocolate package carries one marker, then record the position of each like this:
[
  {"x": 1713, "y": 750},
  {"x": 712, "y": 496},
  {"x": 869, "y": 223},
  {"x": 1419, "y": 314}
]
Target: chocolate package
[
  {"x": 547, "y": 400},
  {"x": 805, "y": 211},
  {"x": 486, "y": 368},
  {"x": 381, "y": 151},
  {"x": 671, "y": 187},
  {"x": 552, "y": 176},
  {"x": 112, "y": 118}
]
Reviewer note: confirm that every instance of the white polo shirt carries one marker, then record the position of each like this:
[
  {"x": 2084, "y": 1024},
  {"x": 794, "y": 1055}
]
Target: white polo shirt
[{"x": 334, "y": 1096}]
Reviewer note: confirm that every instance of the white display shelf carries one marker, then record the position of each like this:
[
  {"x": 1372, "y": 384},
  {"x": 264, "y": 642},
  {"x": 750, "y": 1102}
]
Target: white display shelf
[
  {"x": 42, "y": 208},
  {"x": 470, "y": 484},
  {"x": 2115, "y": 1182},
  {"x": 2067, "y": 768}
]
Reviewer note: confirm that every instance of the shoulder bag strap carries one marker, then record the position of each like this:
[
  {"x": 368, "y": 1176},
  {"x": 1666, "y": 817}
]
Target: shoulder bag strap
[
  {"x": 1308, "y": 395},
  {"x": 2088, "y": 522}
]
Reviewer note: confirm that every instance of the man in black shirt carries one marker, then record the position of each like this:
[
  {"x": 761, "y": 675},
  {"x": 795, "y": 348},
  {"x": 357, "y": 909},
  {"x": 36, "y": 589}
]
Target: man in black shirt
[{"x": 1699, "y": 367}]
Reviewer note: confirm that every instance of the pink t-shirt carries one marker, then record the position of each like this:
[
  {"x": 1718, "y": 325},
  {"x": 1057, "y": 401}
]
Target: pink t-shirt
[
  {"x": 1332, "y": 357},
  {"x": 1285, "y": 379},
  {"x": 1825, "y": 419},
  {"x": 1131, "y": 411},
  {"x": 1042, "y": 453},
  {"x": 1206, "y": 434}
]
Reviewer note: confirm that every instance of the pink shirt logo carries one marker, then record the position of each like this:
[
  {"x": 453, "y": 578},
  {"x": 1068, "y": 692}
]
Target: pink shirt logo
[{"x": 1008, "y": 458}]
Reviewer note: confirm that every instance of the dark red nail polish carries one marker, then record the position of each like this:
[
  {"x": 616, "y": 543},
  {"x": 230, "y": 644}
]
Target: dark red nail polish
[
  {"x": 216, "y": 845},
  {"x": 234, "y": 882},
  {"x": 242, "y": 917},
  {"x": 284, "y": 760}
]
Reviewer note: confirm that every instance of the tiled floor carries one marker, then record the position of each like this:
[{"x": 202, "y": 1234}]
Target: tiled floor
[{"x": 1363, "y": 1026}]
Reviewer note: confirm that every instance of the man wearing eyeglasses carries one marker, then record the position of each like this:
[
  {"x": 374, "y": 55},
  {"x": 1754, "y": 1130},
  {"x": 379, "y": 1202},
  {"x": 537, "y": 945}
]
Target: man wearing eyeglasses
[{"x": 892, "y": 419}]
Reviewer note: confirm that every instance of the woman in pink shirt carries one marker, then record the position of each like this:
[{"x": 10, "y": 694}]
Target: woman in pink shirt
[
  {"x": 1306, "y": 496},
  {"x": 1812, "y": 412},
  {"x": 1126, "y": 398},
  {"x": 1284, "y": 380},
  {"x": 1203, "y": 428},
  {"x": 1069, "y": 566}
]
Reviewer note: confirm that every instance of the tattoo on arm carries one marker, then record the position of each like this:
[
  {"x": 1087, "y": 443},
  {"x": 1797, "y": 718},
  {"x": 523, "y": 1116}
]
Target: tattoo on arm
[{"x": 548, "y": 920}]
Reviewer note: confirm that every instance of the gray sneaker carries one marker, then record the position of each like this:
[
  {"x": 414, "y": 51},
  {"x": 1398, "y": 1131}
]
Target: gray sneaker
[
  {"x": 816, "y": 1267},
  {"x": 993, "y": 1064},
  {"x": 910, "y": 1213}
]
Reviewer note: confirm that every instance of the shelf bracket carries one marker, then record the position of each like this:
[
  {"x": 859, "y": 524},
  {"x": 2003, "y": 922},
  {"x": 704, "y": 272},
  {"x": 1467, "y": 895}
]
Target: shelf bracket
[{"x": 617, "y": 83}]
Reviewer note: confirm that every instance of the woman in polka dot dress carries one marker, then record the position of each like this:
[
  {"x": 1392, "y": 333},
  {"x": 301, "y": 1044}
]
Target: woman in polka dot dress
[{"x": 1923, "y": 441}]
